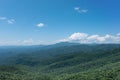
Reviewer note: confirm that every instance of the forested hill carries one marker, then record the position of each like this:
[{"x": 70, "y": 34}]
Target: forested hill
[{"x": 62, "y": 61}]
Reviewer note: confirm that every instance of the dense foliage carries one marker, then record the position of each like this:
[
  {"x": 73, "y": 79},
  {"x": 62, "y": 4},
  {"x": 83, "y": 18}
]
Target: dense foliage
[{"x": 61, "y": 62}]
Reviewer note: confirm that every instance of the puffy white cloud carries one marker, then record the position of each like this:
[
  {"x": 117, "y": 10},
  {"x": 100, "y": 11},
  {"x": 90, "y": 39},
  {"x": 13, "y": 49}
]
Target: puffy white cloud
[
  {"x": 96, "y": 38},
  {"x": 75, "y": 37},
  {"x": 41, "y": 25},
  {"x": 78, "y": 9},
  {"x": 85, "y": 38},
  {"x": 78, "y": 36}
]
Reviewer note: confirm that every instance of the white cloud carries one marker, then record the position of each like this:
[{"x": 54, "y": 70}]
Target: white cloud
[
  {"x": 118, "y": 34},
  {"x": 28, "y": 41},
  {"x": 84, "y": 11},
  {"x": 78, "y": 9},
  {"x": 75, "y": 37},
  {"x": 11, "y": 21},
  {"x": 41, "y": 25},
  {"x": 22, "y": 42},
  {"x": 85, "y": 38},
  {"x": 78, "y": 36}
]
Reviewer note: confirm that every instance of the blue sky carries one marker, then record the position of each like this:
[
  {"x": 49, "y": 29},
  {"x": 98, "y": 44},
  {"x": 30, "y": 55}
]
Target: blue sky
[{"x": 50, "y": 21}]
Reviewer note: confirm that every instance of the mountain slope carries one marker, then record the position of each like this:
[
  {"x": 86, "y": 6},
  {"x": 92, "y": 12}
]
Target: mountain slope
[
  {"x": 69, "y": 62},
  {"x": 35, "y": 56}
]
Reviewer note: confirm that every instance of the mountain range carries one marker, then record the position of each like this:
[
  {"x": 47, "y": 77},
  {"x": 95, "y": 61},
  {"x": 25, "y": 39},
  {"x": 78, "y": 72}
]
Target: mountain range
[{"x": 61, "y": 61}]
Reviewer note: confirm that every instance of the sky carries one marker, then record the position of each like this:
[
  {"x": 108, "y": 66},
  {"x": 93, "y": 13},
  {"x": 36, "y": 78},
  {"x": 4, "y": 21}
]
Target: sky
[{"x": 33, "y": 22}]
